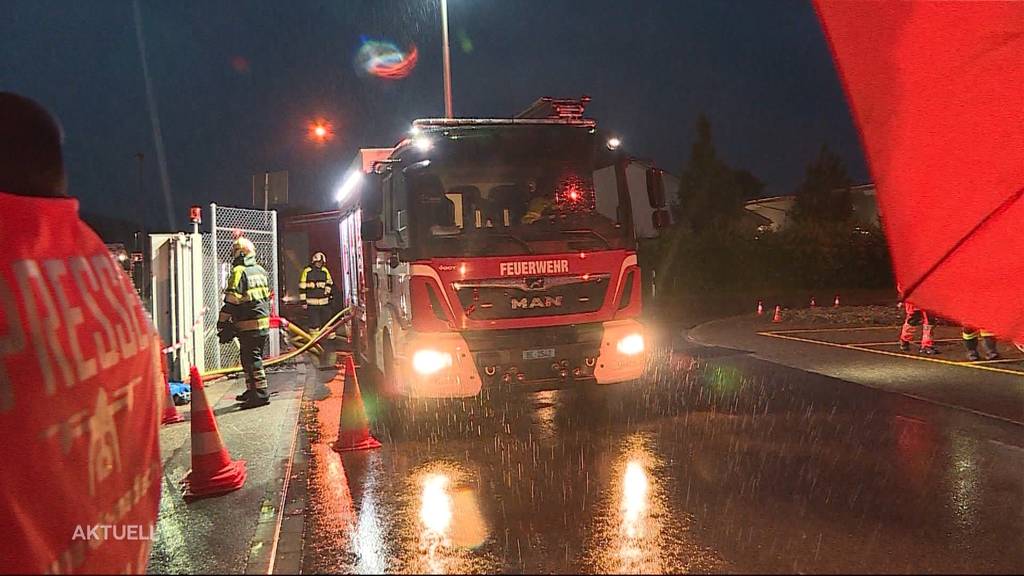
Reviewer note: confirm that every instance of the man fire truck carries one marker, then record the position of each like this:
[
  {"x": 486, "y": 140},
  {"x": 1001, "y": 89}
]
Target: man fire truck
[{"x": 483, "y": 256}]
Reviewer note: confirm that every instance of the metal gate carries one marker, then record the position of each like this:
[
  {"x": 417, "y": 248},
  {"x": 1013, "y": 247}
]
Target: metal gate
[{"x": 226, "y": 224}]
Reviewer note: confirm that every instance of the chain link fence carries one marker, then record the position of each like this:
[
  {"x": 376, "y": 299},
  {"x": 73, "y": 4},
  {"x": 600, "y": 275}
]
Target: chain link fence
[{"x": 226, "y": 224}]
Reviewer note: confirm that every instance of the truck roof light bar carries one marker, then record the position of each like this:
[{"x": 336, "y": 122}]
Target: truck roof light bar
[
  {"x": 548, "y": 107},
  {"x": 469, "y": 122}
]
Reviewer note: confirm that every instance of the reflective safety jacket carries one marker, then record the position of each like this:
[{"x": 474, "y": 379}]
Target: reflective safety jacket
[
  {"x": 247, "y": 297},
  {"x": 315, "y": 286},
  {"x": 81, "y": 388}
]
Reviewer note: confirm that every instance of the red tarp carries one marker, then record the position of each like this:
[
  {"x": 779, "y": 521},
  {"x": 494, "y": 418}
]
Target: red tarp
[
  {"x": 937, "y": 91},
  {"x": 80, "y": 391}
]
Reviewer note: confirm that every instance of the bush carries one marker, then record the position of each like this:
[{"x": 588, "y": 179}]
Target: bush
[{"x": 804, "y": 256}]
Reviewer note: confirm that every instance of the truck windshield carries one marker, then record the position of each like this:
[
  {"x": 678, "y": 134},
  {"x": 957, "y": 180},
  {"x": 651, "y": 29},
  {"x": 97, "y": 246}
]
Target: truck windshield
[{"x": 511, "y": 190}]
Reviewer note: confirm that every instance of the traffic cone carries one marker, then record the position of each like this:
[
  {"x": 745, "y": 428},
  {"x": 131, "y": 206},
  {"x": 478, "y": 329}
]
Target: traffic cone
[
  {"x": 778, "y": 314},
  {"x": 836, "y": 303},
  {"x": 354, "y": 428},
  {"x": 812, "y": 302},
  {"x": 760, "y": 308},
  {"x": 213, "y": 471},
  {"x": 171, "y": 415}
]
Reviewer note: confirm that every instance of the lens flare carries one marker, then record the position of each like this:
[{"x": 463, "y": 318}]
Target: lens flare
[{"x": 384, "y": 59}]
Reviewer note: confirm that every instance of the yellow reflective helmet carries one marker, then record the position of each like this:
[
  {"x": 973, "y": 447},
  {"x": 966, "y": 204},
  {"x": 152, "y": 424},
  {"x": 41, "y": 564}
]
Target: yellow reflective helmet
[
  {"x": 243, "y": 246},
  {"x": 320, "y": 257}
]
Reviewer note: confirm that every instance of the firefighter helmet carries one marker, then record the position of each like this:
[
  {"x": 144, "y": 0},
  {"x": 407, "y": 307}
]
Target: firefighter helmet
[
  {"x": 320, "y": 257},
  {"x": 243, "y": 246}
]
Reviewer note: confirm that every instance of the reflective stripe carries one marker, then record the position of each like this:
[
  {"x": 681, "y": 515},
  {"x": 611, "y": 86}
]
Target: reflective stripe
[
  {"x": 206, "y": 443},
  {"x": 303, "y": 285},
  {"x": 249, "y": 325},
  {"x": 258, "y": 293},
  {"x": 236, "y": 277},
  {"x": 318, "y": 301},
  {"x": 233, "y": 298},
  {"x": 302, "y": 296}
]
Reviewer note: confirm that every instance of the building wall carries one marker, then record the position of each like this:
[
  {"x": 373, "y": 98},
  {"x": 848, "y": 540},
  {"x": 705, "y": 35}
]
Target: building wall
[{"x": 778, "y": 210}]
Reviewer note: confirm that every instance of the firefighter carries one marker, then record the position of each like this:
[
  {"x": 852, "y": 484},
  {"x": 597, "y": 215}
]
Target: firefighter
[
  {"x": 315, "y": 286},
  {"x": 916, "y": 317},
  {"x": 81, "y": 381},
  {"x": 971, "y": 336},
  {"x": 246, "y": 315}
]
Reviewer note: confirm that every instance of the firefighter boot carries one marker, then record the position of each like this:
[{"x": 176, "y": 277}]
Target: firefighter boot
[
  {"x": 904, "y": 346},
  {"x": 972, "y": 350},
  {"x": 244, "y": 396},
  {"x": 259, "y": 397},
  {"x": 929, "y": 350},
  {"x": 988, "y": 348}
]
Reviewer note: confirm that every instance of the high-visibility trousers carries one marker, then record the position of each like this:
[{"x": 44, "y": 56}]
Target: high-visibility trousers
[{"x": 916, "y": 317}]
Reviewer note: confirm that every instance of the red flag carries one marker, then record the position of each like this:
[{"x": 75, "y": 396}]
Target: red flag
[{"x": 937, "y": 91}]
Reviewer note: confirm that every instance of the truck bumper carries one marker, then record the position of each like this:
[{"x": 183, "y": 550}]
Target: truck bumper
[
  {"x": 436, "y": 365},
  {"x": 457, "y": 365},
  {"x": 623, "y": 352}
]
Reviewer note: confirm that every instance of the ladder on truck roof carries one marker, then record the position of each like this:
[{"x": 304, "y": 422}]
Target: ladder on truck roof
[{"x": 545, "y": 110}]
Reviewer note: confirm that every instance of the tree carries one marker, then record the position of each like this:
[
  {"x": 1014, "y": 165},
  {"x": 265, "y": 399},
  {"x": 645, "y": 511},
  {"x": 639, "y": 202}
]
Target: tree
[
  {"x": 709, "y": 191},
  {"x": 750, "y": 186},
  {"x": 824, "y": 194}
]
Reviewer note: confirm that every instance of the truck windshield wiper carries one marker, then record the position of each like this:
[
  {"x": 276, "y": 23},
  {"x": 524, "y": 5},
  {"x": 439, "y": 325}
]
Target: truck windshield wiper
[{"x": 593, "y": 233}]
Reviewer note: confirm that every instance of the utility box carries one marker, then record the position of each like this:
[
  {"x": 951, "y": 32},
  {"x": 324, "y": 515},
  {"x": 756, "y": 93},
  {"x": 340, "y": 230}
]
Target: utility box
[{"x": 177, "y": 305}]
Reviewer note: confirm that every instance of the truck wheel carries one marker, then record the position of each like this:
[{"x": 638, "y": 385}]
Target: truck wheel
[{"x": 381, "y": 399}]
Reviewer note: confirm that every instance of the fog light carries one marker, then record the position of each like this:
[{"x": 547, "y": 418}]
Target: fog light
[
  {"x": 631, "y": 345},
  {"x": 427, "y": 362}
]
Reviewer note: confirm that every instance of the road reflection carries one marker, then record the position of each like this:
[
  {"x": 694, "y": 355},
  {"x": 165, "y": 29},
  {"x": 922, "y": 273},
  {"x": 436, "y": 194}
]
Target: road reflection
[
  {"x": 449, "y": 522},
  {"x": 628, "y": 531}
]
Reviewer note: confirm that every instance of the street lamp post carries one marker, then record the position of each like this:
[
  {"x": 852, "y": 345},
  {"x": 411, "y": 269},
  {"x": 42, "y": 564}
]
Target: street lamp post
[{"x": 447, "y": 60}]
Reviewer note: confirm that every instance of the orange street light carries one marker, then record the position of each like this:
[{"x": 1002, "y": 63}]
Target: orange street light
[{"x": 321, "y": 131}]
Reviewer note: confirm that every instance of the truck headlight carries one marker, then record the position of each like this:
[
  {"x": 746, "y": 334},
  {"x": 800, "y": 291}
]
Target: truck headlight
[
  {"x": 427, "y": 362},
  {"x": 631, "y": 345}
]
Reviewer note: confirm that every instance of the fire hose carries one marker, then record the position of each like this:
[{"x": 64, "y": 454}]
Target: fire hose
[{"x": 331, "y": 325}]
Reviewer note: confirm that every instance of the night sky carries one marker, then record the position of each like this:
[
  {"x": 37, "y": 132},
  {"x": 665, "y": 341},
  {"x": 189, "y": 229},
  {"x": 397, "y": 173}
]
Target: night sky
[{"x": 236, "y": 83}]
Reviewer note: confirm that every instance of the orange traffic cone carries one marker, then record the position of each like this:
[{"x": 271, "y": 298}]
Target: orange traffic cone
[
  {"x": 171, "y": 415},
  {"x": 354, "y": 428},
  {"x": 760, "y": 308},
  {"x": 213, "y": 471},
  {"x": 778, "y": 314},
  {"x": 836, "y": 303}
]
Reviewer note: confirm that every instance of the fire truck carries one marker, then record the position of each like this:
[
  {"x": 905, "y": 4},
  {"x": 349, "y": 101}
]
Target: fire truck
[{"x": 481, "y": 251}]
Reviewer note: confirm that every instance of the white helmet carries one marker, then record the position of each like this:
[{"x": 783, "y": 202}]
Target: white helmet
[
  {"x": 320, "y": 257},
  {"x": 243, "y": 246}
]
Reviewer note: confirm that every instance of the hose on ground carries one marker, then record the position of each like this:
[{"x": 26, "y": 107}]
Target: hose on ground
[{"x": 328, "y": 328}]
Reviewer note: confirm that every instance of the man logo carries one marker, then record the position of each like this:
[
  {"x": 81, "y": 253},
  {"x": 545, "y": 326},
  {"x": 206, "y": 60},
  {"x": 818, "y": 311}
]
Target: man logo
[{"x": 536, "y": 302}]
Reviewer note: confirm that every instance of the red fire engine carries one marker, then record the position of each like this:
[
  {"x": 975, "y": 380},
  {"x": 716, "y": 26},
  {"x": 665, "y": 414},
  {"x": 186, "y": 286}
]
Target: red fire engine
[{"x": 481, "y": 250}]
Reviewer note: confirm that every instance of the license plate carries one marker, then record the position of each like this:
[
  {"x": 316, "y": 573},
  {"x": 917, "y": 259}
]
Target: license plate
[{"x": 538, "y": 354}]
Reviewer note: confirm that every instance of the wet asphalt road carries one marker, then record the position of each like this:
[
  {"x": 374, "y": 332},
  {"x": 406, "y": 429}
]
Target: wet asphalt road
[{"x": 717, "y": 462}]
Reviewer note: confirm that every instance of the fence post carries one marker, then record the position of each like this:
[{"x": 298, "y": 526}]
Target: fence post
[{"x": 216, "y": 269}]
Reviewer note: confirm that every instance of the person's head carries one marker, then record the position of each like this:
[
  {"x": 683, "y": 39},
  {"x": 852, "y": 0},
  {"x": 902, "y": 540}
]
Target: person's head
[
  {"x": 31, "y": 163},
  {"x": 319, "y": 259},
  {"x": 242, "y": 247}
]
